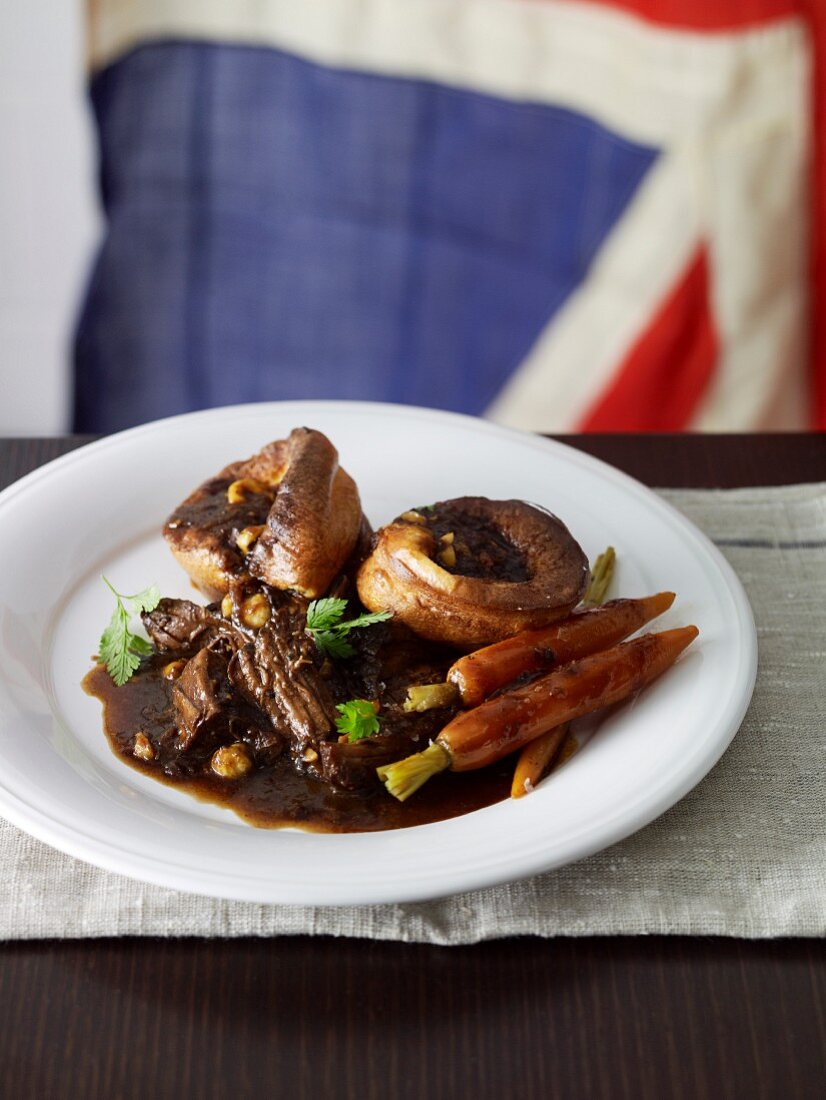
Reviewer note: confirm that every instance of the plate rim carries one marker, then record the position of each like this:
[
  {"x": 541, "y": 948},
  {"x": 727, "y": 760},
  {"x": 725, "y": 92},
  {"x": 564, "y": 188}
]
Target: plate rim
[{"x": 243, "y": 887}]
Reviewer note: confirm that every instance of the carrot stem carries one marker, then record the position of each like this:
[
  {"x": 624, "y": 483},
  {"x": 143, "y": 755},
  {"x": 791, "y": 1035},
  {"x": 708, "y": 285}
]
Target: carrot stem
[{"x": 406, "y": 776}]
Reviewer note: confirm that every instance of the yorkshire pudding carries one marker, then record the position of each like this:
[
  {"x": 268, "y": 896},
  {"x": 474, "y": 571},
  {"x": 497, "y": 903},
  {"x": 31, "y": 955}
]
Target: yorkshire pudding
[
  {"x": 472, "y": 571},
  {"x": 289, "y": 515},
  {"x": 314, "y": 523},
  {"x": 204, "y": 529}
]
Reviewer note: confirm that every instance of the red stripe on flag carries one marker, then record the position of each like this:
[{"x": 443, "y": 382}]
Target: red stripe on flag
[
  {"x": 707, "y": 15},
  {"x": 668, "y": 370}
]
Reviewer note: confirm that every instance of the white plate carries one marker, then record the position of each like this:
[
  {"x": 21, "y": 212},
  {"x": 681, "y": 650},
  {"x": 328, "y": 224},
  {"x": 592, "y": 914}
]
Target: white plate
[{"x": 99, "y": 509}]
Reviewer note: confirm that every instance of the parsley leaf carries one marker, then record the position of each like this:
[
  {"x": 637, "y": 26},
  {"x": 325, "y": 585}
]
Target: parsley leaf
[
  {"x": 324, "y": 614},
  {"x": 333, "y": 644},
  {"x": 119, "y": 649},
  {"x": 358, "y": 719},
  {"x": 329, "y": 632}
]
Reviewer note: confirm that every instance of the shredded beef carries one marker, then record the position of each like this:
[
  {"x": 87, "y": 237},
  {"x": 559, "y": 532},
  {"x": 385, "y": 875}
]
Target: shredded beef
[
  {"x": 201, "y": 696},
  {"x": 278, "y": 673},
  {"x": 272, "y": 686},
  {"x": 180, "y": 626}
]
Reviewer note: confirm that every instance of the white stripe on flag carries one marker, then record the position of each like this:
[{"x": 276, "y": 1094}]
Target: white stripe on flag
[
  {"x": 642, "y": 259},
  {"x": 756, "y": 203}
]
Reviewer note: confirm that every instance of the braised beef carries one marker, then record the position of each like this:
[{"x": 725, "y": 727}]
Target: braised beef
[
  {"x": 352, "y": 766},
  {"x": 388, "y": 659},
  {"x": 278, "y": 672},
  {"x": 271, "y": 687},
  {"x": 201, "y": 695},
  {"x": 179, "y": 626}
]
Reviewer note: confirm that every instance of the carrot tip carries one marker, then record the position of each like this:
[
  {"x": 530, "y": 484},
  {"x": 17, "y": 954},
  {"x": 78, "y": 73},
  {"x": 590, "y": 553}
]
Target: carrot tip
[{"x": 519, "y": 790}]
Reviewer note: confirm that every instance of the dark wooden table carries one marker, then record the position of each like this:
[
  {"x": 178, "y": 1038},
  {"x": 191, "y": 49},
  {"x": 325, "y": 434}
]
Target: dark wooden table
[{"x": 301, "y": 1017}]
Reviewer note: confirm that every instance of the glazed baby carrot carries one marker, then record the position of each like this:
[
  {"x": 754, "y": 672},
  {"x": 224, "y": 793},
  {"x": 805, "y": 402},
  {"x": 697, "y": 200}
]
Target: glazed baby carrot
[
  {"x": 538, "y": 755},
  {"x": 478, "y": 737},
  {"x": 486, "y": 670},
  {"x": 535, "y": 758}
]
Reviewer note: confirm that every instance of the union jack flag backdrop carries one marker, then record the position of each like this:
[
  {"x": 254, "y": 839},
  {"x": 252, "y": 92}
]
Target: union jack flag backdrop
[{"x": 564, "y": 216}]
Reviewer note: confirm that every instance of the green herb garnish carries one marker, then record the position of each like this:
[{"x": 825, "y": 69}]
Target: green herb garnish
[
  {"x": 119, "y": 649},
  {"x": 328, "y": 629},
  {"x": 358, "y": 719}
]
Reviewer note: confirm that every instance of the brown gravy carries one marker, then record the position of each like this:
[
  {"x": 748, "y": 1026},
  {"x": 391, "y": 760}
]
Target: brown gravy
[{"x": 277, "y": 796}]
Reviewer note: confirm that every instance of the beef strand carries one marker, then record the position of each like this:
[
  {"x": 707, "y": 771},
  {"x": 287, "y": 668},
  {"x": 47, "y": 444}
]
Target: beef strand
[
  {"x": 278, "y": 673},
  {"x": 200, "y": 695},
  {"x": 181, "y": 626}
]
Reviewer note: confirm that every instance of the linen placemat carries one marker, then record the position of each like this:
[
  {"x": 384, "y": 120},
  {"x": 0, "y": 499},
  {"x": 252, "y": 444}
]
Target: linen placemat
[{"x": 744, "y": 854}]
